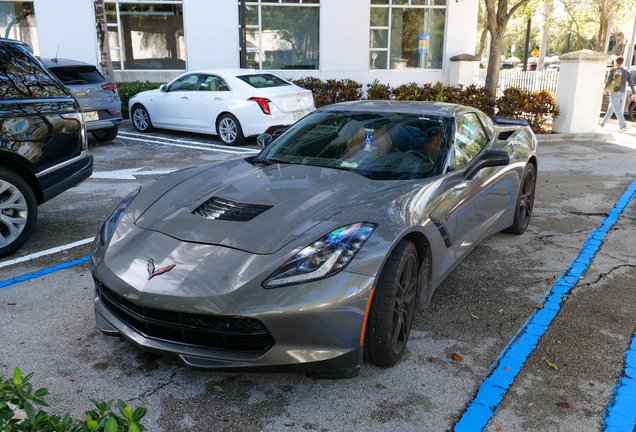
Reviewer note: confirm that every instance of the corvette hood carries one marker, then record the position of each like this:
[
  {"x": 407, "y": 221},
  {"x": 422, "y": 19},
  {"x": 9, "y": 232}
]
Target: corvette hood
[{"x": 295, "y": 199}]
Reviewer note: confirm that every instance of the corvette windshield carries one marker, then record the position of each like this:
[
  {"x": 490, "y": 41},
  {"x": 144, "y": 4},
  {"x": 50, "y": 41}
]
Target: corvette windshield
[{"x": 377, "y": 145}]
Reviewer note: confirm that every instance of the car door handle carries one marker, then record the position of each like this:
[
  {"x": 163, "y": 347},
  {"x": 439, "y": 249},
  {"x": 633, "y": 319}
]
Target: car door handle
[
  {"x": 184, "y": 97},
  {"x": 460, "y": 186},
  {"x": 218, "y": 98}
]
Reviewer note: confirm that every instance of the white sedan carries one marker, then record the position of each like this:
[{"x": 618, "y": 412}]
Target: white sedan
[{"x": 230, "y": 103}]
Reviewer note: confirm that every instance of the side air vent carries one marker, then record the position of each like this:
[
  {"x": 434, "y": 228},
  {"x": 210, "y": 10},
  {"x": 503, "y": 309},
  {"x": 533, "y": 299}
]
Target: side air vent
[
  {"x": 503, "y": 136},
  {"x": 222, "y": 209}
]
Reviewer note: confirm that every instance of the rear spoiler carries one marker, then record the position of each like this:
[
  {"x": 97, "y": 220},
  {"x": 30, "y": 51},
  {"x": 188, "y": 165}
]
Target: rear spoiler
[{"x": 505, "y": 121}]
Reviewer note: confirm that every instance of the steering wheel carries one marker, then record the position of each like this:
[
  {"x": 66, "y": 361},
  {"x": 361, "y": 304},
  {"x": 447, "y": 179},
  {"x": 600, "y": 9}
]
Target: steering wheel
[{"x": 422, "y": 156}]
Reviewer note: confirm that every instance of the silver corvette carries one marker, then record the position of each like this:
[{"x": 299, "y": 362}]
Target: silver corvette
[{"x": 317, "y": 252}]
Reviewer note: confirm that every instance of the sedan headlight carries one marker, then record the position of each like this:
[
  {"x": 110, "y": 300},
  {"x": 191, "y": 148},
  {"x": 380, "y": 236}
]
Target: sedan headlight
[
  {"x": 111, "y": 221},
  {"x": 323, "y": 258}
]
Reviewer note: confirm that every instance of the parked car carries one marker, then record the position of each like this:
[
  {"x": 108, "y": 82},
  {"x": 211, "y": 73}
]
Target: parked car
[
  {"x": 97, "y": 96},
  {"x": 230, "y": 103},
  {"x": 43, "y": 147},
  {"x": 319, "y": 248},
  {"x": 630, "y": 107}
]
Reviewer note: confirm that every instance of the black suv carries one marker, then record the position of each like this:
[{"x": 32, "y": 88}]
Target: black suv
[{"x": 43, "y": 146}]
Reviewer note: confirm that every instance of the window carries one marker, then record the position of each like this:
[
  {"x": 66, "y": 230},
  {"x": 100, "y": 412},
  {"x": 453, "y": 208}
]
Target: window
[
  {"x": 469, "y": 140},
  {"x": 146, "y": 35},
  {"x": 263, "y": 80},
  {"x": 17, "y": 21},
  {"x": 77, "y": 75},
  {"x": 407, "y": 34},
  {"x": 22, "y": 76},
  {"x": 187, "y": 83},
  {"x": 213, "y": 83},
  {"x": 282, "y": 34}
]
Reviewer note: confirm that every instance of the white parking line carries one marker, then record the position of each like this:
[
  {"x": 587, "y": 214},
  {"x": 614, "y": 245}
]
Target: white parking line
[
  {"x": 210, "y": 149},
  {"x": 46, "y": 252},
  {"x": 129, "y": 135}
]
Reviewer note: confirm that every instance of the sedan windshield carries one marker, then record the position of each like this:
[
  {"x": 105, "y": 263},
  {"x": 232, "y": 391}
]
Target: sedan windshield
[{"x": 382, "y": 146}]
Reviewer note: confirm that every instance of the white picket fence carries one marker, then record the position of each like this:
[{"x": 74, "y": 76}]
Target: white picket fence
[{"x": 531, "y": 81}]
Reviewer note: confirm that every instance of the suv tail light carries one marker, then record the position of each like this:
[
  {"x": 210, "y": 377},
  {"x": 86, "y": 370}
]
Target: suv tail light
[
  {"x": 80, "y": 118},
  {"x": 110, "y": 86},
  {"x": 263, "y": 103}
]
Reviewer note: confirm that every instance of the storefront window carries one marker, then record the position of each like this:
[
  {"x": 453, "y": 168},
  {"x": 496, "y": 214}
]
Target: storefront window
[
  {"x": 282, "y": 34},
  {"x": 407, "y": 34},
  {"x": 146, "y": 35},
  {"x": 17, "y": 21}
]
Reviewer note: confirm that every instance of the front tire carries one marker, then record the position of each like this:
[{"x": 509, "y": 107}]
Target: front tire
[
  {"x": 105, "y": 135},
  {"x": 229, "y": 130},
  {"x": 393, "y": 306},
  {"x": 525, "y": 202},
  {"x": 141, "y": 119},
  {"x": 632, "y": 111},
  {"x": 18, "y": 212}
]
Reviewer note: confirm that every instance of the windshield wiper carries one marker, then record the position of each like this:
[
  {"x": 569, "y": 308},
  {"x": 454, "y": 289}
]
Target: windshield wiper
[{"x": 265, "y": 161}]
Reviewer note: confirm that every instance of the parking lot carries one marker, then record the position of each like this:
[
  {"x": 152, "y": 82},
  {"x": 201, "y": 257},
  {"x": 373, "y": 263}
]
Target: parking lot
[{"x": 47, "y": 323}]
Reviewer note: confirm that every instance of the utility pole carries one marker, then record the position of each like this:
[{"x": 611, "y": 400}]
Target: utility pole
[
  {"x": 567, "y": 48},
  {"x": 527, "y": 50},
  {"x": 243, "y": 60}
]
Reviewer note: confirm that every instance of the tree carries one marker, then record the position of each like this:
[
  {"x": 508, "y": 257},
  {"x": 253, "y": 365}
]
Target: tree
[{"x": 102, "y": 39}]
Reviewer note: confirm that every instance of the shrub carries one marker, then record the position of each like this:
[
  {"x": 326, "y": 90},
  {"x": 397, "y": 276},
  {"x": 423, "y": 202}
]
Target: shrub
[
  {"x": 129, "y": 89},
  {"x": 537, "y": 108},
  {"x": 331, "y": 91},
  {"x": 18, "y": 392},
  {"x": 377, "y": 91}
]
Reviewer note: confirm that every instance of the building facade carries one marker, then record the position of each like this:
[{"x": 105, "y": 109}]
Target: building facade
[{"x": 393, "y": 41}]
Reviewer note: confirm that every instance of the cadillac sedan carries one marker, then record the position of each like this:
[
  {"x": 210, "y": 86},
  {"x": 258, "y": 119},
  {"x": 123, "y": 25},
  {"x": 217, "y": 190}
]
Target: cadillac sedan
[
  {"x": 231, "y": 103},
  {"x": 317, "y": 252}
]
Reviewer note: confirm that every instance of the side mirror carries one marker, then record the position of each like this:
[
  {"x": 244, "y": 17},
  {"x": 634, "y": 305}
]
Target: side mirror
[
  {"x": 264, "y": 139},
  {"x": 162, "y": 87},
  {"x": 491, "y": 158}
]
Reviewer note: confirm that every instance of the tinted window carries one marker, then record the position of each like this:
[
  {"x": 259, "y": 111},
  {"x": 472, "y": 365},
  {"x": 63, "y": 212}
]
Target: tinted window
[
  {"x": 185, "y": 84},
  {"x": 213, "y": 83},
  {"x": 382, "y": 146},
  {"x": 22, "y": 75},
  {"x": 70, "y": 75},
  {"x": 469, "y": 140},
  {"x": 263, "y": 80}
]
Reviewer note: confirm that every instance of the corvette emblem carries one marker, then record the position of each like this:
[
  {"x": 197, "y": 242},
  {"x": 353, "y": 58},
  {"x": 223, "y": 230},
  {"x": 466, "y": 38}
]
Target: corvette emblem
[{"x": 150, "y": 265}]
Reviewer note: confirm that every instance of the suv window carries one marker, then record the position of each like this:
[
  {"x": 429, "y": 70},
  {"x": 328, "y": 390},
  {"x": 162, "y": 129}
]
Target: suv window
[
  {"x": 23, "y": 76},
  {"x": 263, "y": 80},
  {"x": 70, "y": 75},
  {"x": 186, "y": 83},
  {"x": 469, "y": 140}
]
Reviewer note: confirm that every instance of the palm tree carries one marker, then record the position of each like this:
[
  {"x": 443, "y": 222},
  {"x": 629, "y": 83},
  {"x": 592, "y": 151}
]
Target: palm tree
[{"x": 102, "y": 39}]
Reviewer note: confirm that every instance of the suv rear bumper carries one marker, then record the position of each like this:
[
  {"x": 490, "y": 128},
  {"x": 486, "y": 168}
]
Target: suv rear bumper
[
  {"x": 103, "y": 124},
  {"x": 57, "y": 181}
]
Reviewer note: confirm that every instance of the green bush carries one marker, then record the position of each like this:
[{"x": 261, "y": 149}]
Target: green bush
[
  {"x": 18, "y": 392},
  {"x": 377, "y": 91},
  {"x": 129, "y": 89},
  {"x": 537, "y": 108},
  {"x": 331, "y": 91}
]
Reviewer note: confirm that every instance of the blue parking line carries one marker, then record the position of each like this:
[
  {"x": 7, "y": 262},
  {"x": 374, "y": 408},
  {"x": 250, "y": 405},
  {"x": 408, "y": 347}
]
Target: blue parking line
[
  {"x": 620, "y": 414},
  {"x": 44, "y": 272},
  {"x": 509, "y": 362}
]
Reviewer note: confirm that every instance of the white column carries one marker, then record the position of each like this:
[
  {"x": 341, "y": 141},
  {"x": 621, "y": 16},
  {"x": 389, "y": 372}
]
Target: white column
[
  {"x": 463, "y": 69},
  {"x": 580, "y": 91}
]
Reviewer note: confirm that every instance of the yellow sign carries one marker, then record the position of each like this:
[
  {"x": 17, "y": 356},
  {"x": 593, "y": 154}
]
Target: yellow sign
[{"x": 535, "y": 53}]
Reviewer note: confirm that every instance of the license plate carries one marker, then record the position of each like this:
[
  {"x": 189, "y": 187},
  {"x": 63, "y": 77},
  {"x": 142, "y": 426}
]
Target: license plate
[
  {"x": 91, "y": 116},
  {"x": 299, "y": 114}
]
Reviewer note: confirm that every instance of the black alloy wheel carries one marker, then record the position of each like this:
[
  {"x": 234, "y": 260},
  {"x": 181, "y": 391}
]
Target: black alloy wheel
[
  {"x": 525, "y": 202},
  {"x": 141, "y": 119},
  {"x": 393, "y": 306},
  {"x": 105, "y": 135},
  {"x": 632, "y": 111},
  {"x": 18, "y": 212}
]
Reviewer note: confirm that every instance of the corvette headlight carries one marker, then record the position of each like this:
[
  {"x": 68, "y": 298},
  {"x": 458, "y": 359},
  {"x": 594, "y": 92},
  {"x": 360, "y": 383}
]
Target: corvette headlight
[
  {"x": 111, "y": 221},
  {"x": 323, "y": 258}
]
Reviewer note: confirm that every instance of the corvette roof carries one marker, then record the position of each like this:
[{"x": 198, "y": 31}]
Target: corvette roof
[{"x": 415, "y": 107}]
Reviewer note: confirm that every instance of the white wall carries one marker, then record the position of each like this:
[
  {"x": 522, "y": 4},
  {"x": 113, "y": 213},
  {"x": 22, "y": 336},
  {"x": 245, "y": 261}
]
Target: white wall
[{"x": 69, "y": 24}]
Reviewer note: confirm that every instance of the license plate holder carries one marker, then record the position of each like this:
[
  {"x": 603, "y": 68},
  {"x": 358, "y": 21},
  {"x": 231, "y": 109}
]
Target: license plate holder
[
  {"x": 91, "y": 116},
  {"x": 299, "y": 114}
]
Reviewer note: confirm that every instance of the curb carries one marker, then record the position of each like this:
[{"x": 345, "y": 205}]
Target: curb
[{"x": 595, "y": 136}]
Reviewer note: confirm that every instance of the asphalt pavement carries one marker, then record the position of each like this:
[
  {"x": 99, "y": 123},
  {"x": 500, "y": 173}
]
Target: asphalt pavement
[{"x": 47, "y": 323}]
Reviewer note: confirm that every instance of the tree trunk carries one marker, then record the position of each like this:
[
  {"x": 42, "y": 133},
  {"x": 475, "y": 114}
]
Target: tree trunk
[
  {"x": 602, "y": 34},
  {"x": 494, "y": 65},
  {"x": 482, "y": 42},
  {"x": 102, "y": 39}
]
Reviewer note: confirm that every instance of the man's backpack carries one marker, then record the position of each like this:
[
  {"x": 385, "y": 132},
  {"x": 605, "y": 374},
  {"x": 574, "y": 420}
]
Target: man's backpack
[{"x": 615, "y": 82}]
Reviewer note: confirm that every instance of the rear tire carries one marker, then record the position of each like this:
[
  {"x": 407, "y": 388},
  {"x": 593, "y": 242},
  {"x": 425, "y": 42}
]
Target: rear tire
[
  {"x": 393, "y": 306},
  {"x": 632, "y": 111},
  {"x": 105, "y": 135},
  {"x": 229, "y": 130},
  {"x": 525, "y": 202},
  {"x": 141, "y": 119},
  {"x": 18, "y": 212}
]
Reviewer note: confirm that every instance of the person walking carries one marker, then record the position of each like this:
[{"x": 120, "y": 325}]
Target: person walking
[{"x": 615, "y": 87}]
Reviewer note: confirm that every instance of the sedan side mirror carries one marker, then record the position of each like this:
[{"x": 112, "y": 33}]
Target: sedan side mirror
[
  {"x": 264, "y": 139},
  {"x": 162, "y": 87},
  {"x": 491, "y": 158}
]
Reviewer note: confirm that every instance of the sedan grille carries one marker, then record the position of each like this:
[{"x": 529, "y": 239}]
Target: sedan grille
[
  {"x": 222, "y": 209},
  {"x": 209, "y": 331}
]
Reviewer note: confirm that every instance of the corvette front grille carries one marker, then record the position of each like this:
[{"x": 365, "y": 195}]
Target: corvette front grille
[
  {"x": 209, "y": 331},
  {"x": 223, "y": 209}
]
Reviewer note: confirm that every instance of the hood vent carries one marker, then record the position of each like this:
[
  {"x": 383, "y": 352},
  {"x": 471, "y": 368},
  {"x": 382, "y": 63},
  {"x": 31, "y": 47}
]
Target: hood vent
[
  {"x": 503, "y": 136},
  {"x": 223, "y": 209}
]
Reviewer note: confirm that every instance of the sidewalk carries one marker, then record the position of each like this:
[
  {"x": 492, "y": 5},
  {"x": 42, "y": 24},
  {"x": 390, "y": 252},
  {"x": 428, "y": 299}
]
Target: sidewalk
[{"x": 608, "y": 133}]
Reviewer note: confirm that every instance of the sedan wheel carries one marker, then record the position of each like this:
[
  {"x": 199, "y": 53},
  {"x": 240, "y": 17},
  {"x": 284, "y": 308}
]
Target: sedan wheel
[
  {"x": 632, "y": 112},
  {"x": 393, "y": 307},
  {"x": 18, "y": 211},
  {"x": 229, "y": 130},
  {"x": 141, "y": 119},
  {"x": 525, "y": 202}
]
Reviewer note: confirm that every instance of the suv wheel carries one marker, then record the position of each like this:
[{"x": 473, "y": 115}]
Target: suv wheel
[
  {"x": 141, "y": 119},
  {"x": 18, "y": 212},
  {"x": 105, "y": 135}
]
